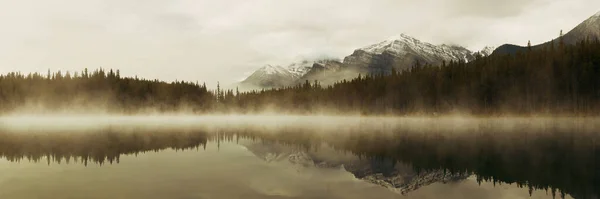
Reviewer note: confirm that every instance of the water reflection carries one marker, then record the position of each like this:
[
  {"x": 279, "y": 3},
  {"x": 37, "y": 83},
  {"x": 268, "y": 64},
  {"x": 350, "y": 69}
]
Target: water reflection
[{"x": 557, "y": 156}]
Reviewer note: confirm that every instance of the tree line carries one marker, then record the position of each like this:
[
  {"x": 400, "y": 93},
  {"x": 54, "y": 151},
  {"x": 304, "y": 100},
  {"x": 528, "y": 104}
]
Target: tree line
[{"x": 99, "y": 90}]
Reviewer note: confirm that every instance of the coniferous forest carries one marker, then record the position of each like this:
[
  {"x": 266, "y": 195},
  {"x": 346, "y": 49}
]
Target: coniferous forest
[
  {"x": 556, "y": 79},
  {"x": 99, "y": 91}
]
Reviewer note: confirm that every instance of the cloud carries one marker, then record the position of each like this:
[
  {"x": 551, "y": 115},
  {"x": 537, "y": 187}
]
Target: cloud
[
  {"x": 491, "y": 8},
  {"x": 222, "y": 40}
]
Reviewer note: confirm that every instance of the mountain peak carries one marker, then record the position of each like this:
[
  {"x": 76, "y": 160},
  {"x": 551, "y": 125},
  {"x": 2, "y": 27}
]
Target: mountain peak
[
  {"x": 300, "y": 68},
  {"x": 597, "y": 14},
  {"x": 404, "y": 45},
  {"x": 273, "y": 76},
  {"x": 400, "y": 37},
  {"x": 396, "y": 44},
  {"x": 270, "y": 69},
  {"x": 486, "y": 51}
]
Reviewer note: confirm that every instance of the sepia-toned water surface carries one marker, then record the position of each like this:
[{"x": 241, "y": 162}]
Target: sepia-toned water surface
[{"x": 297, "y": 157}]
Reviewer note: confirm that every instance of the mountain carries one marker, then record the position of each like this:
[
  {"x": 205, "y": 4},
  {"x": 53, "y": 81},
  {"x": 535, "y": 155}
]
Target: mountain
[
  {"x": 402, "y": 52},
  {"x": 273, "y": 76},
  {"x": 326, "y": 72},
  {"x": 269, "y": 76},
  {"x": 588, "y": 29},
  {"x": 486, "y": 51},
  {"x": 398, "y": 177}
]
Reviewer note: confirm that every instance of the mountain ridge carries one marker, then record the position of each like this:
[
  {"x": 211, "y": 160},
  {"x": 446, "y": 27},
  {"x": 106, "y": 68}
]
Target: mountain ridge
[
  {"x": 588, "y": 29},
  {"x": 399, "y": 52}
]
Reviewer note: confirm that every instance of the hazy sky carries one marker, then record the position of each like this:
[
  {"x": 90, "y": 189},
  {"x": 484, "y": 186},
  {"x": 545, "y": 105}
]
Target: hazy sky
[{"x": 211, "y": 40}]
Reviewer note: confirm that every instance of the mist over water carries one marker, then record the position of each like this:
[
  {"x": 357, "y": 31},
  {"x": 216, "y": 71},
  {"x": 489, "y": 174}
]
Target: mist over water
[{"x": 330, "y": 157}]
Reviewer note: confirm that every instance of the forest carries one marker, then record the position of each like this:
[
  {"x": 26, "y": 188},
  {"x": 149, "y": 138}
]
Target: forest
[
  {"x": 99, "y": 91},
  {"x": 557, "y": 79}
]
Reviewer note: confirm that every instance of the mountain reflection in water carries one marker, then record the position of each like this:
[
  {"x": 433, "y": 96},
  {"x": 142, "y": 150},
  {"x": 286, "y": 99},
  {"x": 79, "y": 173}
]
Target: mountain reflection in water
[{"x": 559, "y": 156}]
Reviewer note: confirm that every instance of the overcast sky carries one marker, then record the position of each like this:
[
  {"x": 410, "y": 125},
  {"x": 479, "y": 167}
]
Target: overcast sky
[{"x": 225, "y": 40}]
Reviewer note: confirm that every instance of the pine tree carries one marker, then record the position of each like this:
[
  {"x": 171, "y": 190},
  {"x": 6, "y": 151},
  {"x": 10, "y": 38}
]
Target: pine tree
[
  {"x": 218, "y": 92},
  {"x": 561, "y": 42}
]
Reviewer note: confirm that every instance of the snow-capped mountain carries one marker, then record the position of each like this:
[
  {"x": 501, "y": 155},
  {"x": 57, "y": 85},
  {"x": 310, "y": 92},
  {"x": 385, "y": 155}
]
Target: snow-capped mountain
[
  {"x": 403, "y": 44},
  {"x": 486, "y": 51},
  {"x": 399, "y": 52},
  {"x": 402, "y": 52},
  {"x": 270, "y": 76},
  {"x": 301, "y": 68},
  {"x": 397, "y": 177}
]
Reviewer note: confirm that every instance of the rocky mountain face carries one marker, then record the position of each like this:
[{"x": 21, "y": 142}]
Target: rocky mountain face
[
  {"x": 588, "y": 29},
  {"x": 398, "y": 177},
  {"x": 400, "y": 52},
  {"x": 486, "y": 51},
  {"x": 326, "y": 72}
]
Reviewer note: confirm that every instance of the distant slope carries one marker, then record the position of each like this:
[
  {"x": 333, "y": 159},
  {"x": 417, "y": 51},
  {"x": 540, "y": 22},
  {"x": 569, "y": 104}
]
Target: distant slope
[
  {"x": 588, "y": 29},
  {"x": 508, "y": 49}
]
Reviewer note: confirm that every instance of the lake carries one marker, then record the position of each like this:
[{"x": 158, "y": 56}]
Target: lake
[{"x": 274, "y": 156}]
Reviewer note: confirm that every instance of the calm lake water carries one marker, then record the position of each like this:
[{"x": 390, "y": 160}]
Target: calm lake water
[{"x": 298, "y": 157}]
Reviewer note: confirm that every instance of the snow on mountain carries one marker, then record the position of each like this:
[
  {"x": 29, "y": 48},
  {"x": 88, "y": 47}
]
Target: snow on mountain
[
  {"x": 488, "y": 50},
  {"x": 270, "y": 70},
  {"x": 273, "y": 76},
  {"x": 402, "y": 52},
  {"x": 268, "y": 76},
  {"x": 300, "y": 68},
  {"x": 399, "y": 52},
  {"x": 403, "y": 44}
]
